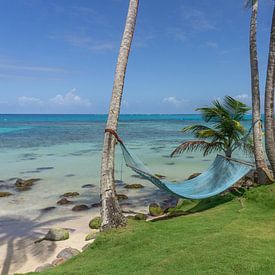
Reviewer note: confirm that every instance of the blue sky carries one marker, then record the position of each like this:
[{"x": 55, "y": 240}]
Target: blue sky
[{"x": 60, "y": 56}]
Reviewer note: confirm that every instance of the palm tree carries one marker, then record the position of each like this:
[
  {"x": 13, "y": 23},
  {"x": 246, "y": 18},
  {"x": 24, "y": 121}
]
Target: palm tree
[
  {"x": 226, "y": 133},
  {"x": 269, "y": 99},
  {"x": 110, "y": 211},
  {"x": 264, "y": 175}
]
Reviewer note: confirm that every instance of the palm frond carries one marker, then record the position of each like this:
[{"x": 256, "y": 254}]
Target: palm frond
[
  {"x": 246, "y": 145},
  {"x": 213, "y": 147},
  {"x": 249, "y": 3},
  {"x": 235, "y": 108},
  {"x": 215, "y": 113},
  {"x": 210, "y": 134},
  {"x": 225, "y": 132},
  {"x": 194, "y": 145},
  {"x": 247, "y": 149},
  {"x": 203, "y": 132},
  {"x": 194, "y": 128}
]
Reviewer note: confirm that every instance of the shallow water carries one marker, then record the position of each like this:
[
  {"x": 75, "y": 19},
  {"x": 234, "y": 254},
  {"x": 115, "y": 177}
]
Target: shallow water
[{"x": 65, "y": 151}]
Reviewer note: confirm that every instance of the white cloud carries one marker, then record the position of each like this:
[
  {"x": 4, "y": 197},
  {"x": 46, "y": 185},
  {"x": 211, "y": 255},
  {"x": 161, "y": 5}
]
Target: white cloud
[
  {"x": 70, "y": 99},
  {"x": 192, "y": 21},
  {"x": 196, "y": 19},
  {"x": 174, "y": 101},
  {"x": 25, "y": 100},
  {"x": 177, "y": 33},
  {"x": 32, "y": 68},
  {"x": 86, "y": 42}
]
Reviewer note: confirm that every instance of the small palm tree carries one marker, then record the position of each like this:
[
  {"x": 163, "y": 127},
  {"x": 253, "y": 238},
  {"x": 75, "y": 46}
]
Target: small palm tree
[{"x": 226, "y": 133}]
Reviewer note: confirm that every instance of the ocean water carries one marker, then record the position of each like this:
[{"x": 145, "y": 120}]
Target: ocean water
[{"x": 64, "y": 151}]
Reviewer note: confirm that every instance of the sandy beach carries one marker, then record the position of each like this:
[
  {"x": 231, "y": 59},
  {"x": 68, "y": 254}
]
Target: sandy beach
[
  {"x": 18, "y": 232},
  {"x": 19, "y": 253}
]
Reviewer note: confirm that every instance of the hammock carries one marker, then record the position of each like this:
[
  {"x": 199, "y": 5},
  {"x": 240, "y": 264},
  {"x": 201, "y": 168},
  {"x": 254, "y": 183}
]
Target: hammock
[{"x": 222, "y": 174}]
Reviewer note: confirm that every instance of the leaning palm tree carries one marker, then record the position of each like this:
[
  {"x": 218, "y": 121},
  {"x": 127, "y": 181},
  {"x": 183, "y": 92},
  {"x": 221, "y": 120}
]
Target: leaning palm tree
[
  {"x": 226, "y": 134},
  {"x": 110, "y": 211},
  {"x": 264, "y": 175},
  {"x": 269, "y": 99}
]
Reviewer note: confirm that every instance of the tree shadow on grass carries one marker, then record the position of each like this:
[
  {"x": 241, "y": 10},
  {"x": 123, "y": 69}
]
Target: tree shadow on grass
[
  {"x": 202, "y": 205},
  {"x": 18, "y": 235},
  {"x": 211, "y": 202}
]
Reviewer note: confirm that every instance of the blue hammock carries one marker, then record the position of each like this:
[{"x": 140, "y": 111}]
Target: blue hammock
[{"x": 221, "y": 175}]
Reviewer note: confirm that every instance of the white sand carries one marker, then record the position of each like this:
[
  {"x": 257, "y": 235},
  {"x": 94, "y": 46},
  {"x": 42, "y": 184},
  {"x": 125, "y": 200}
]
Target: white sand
[{"x": 19, "y": 253}]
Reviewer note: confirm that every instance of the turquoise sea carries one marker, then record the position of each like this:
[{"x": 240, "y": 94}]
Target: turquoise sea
[{"x": 64, "y": 151}]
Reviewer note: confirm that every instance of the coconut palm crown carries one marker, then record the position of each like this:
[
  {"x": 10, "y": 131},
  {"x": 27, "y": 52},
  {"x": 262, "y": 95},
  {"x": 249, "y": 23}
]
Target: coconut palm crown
[{"x": 225, "y": 134}]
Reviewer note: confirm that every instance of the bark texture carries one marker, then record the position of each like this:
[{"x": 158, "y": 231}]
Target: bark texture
[
  {"x": 111, "y": 213},
  {"x": 264, "y": 175},
  {"x": 269, "y": 99}
]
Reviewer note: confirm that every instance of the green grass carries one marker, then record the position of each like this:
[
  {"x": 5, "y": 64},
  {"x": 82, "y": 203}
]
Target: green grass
[{"x": 233, "y": 236}]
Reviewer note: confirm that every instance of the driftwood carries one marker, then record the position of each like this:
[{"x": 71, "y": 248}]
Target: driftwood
[
  {"x": 130, "y": 212},
  {"x": 169, "y": 216}
]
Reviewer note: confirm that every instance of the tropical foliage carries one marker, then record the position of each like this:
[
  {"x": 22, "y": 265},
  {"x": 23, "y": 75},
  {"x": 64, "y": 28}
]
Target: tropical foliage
[{"x": 225, "y": 133}]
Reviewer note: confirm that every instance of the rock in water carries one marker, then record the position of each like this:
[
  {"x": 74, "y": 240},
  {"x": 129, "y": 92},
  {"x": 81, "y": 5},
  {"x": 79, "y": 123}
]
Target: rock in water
[
  {"x": 67, "y": 253},
  {"x": 80, "y": 207},
  {"x": 95, "y": 223},
  {"x": 121, "y": 197},
  {"x": 55, "y": 234},
  {"x": 193, "y": 176},
  {"x": 25, "y": 184},
  {"x": 70, "y": 194},
  {"x": 48, "y": 209},
  {"x": 97, "y": 204},
  {"x": 155, "y": 210},
  {"x": 134, "y": 186},
  {"x": 64, "y": 201},
  {"x": 5, "y": 194},
  {"x": 43, "y": 267},
  {"x": 88, "y": 186}
]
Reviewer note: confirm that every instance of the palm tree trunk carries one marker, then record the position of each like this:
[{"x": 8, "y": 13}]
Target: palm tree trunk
[
  {"x": 262, "y": 169},
  {"x": 111, "y": 213},
  {"x": 269, "y": 99}
]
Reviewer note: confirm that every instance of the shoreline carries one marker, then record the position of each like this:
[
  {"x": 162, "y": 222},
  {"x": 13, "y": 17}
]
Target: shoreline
[{"x": 19, "y": 253}]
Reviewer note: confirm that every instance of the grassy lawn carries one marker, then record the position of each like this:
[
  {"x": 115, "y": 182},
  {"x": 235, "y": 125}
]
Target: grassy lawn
[{"x": 232, "y": 236}]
